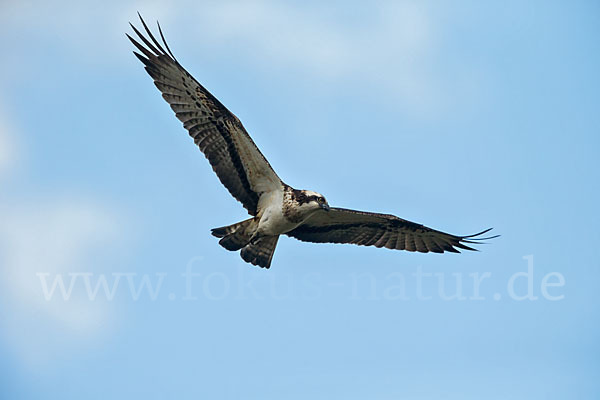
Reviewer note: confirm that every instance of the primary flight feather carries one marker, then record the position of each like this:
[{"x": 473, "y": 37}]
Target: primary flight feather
[{"x": 276, "y": 208}]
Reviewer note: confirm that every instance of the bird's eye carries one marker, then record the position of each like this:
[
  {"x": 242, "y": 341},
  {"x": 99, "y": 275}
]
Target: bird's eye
[{"x": 321, "y": 200}]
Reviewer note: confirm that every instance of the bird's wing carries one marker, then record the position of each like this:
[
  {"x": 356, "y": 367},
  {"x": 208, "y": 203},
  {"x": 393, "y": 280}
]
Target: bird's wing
[
  {"x": 339, "y": 225},
  {"x": 219, "y": 134}
]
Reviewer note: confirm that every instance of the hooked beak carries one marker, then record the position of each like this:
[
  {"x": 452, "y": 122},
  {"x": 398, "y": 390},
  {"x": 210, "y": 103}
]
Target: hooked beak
[{"x": 325, "y": 207}]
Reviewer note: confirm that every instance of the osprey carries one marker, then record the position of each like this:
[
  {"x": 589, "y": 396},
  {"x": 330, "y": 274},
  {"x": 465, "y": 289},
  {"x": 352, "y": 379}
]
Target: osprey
[{"x": 275, "y": 208}]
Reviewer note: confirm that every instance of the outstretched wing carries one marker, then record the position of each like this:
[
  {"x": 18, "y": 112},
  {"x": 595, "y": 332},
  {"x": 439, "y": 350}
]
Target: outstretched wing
[
  {"x": 339, "y": 225},
  {"x": 238, "y": 163}
]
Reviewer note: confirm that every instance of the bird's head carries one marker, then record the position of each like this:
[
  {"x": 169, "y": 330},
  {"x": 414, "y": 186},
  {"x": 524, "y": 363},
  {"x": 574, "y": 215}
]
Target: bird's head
[{"x": 313, "y": 201}]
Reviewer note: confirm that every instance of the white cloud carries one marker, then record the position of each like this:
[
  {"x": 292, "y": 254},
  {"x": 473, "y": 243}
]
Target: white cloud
[
  {"x": 387, "y": 51},
  {"x": 8, "y": 148},
  {"x": 390, "y": 51},
  {"x": 56, "y": 239},
  {"x": 54, "y": 236},
  {"x": 277, "y": 33}
]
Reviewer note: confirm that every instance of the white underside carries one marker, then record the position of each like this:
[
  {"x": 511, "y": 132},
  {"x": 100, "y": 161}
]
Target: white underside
[{"x": 272, "y": 221}]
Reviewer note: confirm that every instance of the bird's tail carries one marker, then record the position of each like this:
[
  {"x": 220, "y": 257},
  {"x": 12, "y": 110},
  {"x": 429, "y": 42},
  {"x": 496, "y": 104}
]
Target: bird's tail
[
  {"x": 260, "y": 251},
  {"x": 236, "y": 236}
]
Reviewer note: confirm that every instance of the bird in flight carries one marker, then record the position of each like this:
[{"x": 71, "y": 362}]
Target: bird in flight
[{"x": 275, "y": 207}]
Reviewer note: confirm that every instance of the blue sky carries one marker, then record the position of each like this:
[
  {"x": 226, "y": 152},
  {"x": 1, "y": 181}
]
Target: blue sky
[{"x": 459, "y": 115}]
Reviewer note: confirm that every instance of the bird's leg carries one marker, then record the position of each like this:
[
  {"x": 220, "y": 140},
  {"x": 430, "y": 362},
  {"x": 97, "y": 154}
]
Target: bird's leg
[{"x": 255, "y": 237}]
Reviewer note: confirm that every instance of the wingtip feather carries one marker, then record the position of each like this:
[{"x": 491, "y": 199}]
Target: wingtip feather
[{"x": 165, "y": 42}]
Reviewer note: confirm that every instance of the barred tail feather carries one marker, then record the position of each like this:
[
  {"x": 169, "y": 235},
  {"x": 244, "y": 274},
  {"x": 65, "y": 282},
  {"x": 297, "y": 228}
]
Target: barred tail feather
[
  {"x": 260, "y": 252},
  {"x": 236, "y": 236}
]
